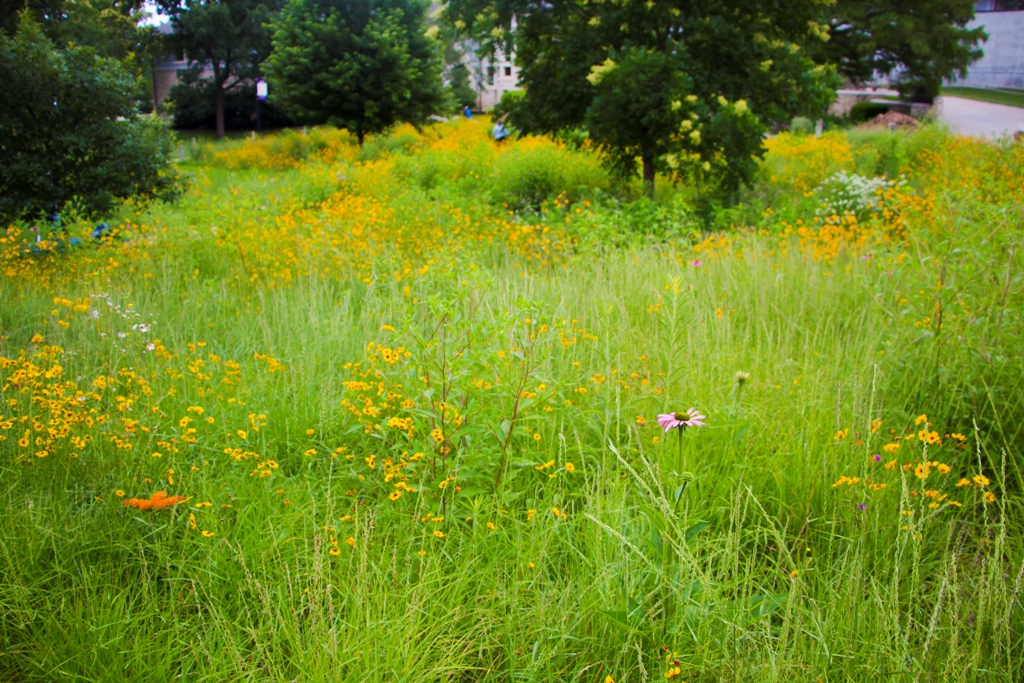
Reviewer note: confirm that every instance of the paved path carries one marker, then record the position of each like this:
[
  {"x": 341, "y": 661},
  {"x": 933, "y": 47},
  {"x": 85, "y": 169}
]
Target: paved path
[{"x": 981, "y": 119}]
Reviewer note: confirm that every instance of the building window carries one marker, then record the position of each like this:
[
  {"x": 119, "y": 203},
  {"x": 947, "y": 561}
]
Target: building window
[
  {"x": 508, "y": 71},
  {"x": 998, "y": 5}
]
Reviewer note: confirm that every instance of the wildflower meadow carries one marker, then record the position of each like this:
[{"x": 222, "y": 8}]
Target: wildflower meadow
[{"x": 441, "y": 409}]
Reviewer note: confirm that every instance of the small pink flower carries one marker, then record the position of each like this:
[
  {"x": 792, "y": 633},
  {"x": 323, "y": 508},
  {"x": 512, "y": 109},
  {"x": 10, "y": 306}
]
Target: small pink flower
[
  {"x": 697, "y": 264},
  {"x": 689, "y": 418}
]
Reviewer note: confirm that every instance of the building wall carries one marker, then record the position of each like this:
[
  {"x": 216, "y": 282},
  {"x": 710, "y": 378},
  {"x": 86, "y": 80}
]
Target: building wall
[
  {"x": 1003, "y": 63},
  {"x": 165, "y": 77},
  {"x": 494, "y": 84}
]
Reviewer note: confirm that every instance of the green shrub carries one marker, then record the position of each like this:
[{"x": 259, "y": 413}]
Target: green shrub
[
  {"x": 801, "y": 124},
  {"x": 383, "y": 145},
  {"x": 526, "y": 177},
  {"x": 71, "y": 131},
  {"x": 509, "y": 100}
]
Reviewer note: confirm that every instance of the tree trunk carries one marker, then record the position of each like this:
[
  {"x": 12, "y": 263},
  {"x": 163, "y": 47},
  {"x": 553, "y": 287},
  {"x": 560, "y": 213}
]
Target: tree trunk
[
  {"x": 360, "y": 135},
  {"x": 220, "y": 111},
  {"x": 648, "y": 177}
]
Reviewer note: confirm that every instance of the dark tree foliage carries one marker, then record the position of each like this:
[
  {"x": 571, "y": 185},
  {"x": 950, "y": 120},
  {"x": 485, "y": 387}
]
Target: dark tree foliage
[
  {"x": 459, "y": 88},
  {"x": 40, "y": 10},
  {"x": 919, "y": 42},
  {"x": 363, "y": 65},
  {"x": 70, "y": 132},
  {"x": 193, "y": 104},
  {"x": 687, "y": 87},
  {"x": 221, "y": 35},
  {"x": 111, "y": 27}
]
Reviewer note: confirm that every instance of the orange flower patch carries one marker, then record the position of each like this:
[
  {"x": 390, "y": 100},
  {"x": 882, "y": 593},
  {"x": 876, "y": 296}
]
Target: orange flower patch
[{"x": 158, "y": 501}]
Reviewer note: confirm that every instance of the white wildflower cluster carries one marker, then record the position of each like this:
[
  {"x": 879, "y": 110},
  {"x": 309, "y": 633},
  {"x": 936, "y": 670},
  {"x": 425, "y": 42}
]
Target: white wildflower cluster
[
  {"x": 126, "y": 312},
  {"x": 851, "y": 193}
]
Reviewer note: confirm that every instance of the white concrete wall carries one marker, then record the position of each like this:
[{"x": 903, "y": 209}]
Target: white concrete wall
[
  {"x": 506, "y": 77},
  {"x": 1003, "y": 63}
]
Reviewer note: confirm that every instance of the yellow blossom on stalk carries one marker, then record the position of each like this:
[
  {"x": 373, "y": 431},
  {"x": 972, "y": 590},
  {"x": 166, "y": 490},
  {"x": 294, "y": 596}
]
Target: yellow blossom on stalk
[
  {"x": 438, "y": 533},
  {"x": 981, "y": 480},
  {"x": 207, "y": 534},
  {"x": 891, "y": 448},
  {"x": 963, "y": 482},
  {"x": 842, "y": 434},
  {"x": 920, "y": 419},
  {"x": 875, "y": 425},
  {"x": 989, "y": 497}
]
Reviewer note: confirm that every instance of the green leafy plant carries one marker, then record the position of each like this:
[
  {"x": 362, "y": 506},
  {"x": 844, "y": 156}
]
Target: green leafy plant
[
  {"x": 71, "y": 132},
  {"x": 364, "y": 65},
  {"x": 684, "y": 87}
]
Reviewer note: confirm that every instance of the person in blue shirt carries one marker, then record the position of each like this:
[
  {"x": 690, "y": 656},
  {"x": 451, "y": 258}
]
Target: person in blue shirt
[
  {"x": 500, "y": 131},
  {"x": 468, "y": 112}
]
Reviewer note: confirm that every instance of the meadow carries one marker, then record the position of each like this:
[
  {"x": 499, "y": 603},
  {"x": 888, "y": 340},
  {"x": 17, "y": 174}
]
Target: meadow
[{"x": 390, "y": 414}]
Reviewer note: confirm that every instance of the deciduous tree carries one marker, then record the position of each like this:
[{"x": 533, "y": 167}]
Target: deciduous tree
[
  {"x": 686, "y": 87},
  {"x": 221, "y": 35},
  {"x": 920, "y": 42},
  {"x": 70, "y": 131},
  {"x": 363, "y": 65}
]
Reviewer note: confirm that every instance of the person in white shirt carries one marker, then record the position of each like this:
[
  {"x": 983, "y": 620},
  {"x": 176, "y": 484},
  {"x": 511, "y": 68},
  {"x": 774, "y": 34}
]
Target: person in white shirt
[{"x": 500, "y": 131}]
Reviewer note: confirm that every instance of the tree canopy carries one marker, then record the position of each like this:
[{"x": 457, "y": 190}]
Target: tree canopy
[
  {"x": 688, "y": 87},
  {"x": 920, "y": 42},
  {"x": 222, "y": 35},
  {"x": 363, "y": 65},
  {"x": 70, "y": 131}
]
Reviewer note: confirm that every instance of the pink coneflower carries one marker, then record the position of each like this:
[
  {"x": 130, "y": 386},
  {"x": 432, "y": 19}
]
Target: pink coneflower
[
  {"x": 689, "y": 418},
  {"x": 697, "y": 264}
]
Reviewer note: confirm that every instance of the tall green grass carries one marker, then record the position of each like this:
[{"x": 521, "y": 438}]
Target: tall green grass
[{"x": 722, "y": 553}]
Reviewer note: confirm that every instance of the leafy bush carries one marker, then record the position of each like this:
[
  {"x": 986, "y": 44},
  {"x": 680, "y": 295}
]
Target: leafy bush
[
  {"x": 71, "y": 132},
  {"x": 525, "y": 176},
  {"x": 509, "y": 100},
  {"x": 865, "y": 111},
  {"x": 801, "y": 124},
  {"x": 383, "y": 145}
]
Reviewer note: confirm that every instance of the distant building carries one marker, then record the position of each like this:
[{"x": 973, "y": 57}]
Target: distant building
[
  {"x": 492, "y": 77},
  {"x": 166, "y": 68},
  {"x": 1003, "y": 63},
  {"x": 501, "y": 75}
]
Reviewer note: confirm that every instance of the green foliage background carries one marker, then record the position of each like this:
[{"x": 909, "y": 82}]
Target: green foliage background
[
  {"x": 71, "y": 132},
  {"x": 363, "y": 66}
]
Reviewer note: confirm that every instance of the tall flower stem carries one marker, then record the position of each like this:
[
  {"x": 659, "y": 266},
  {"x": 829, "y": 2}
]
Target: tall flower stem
[{"x": 679, "y": 459}]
